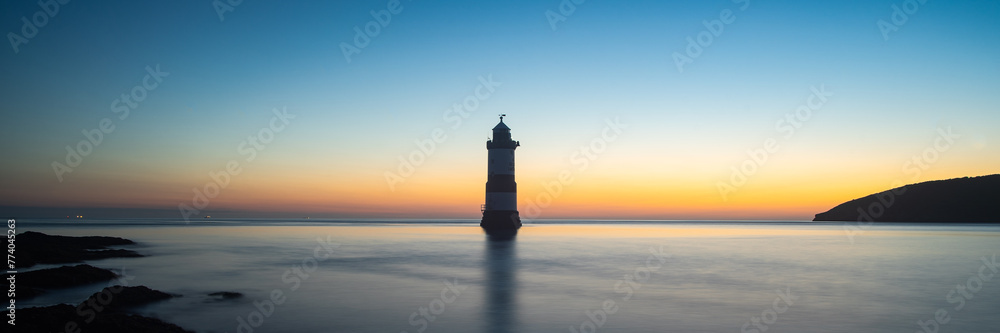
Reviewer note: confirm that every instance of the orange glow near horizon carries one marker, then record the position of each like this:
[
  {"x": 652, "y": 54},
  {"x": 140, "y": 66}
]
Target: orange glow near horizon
[
  {"x": 584, "y": 198},
  {"x": 614, "y": 187}
]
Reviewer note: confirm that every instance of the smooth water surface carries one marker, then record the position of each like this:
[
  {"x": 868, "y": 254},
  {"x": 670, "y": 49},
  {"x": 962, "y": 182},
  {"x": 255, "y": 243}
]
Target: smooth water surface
[{"x": 608, "y": 277}]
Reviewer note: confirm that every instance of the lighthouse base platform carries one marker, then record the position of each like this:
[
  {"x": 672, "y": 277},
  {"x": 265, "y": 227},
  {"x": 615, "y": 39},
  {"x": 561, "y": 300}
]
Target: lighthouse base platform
[{"x": 500, "y": 219}]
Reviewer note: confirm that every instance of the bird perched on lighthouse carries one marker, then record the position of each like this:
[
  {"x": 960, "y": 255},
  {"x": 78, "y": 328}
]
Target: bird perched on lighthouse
[{"x": 500, "y": 209}]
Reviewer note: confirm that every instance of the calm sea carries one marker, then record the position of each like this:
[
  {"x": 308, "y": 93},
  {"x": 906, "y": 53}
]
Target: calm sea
[{"x": 555, "y": 276}]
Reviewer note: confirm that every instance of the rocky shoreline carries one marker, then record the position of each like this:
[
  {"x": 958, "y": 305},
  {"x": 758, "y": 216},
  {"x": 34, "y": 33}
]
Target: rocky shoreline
[
  {"x": 38, "y": 248},
  {"x": 104, "y": 311},
  {"x": 34, "y": 283}
]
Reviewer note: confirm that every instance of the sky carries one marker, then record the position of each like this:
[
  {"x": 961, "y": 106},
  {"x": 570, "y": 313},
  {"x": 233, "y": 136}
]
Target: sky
[{"x": 718, "y": 109}]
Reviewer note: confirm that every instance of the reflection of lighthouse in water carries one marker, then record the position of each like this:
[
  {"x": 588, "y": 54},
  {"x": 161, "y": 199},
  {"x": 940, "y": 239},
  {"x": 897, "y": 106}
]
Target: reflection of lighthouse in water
[
  {"x": 501, "y": 282},
  {"x": 500, "y": 209}
]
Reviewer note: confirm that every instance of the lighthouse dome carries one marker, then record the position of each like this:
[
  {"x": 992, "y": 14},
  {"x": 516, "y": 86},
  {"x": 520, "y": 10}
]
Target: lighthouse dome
[
  {"x": 501, "y": 126},
  {"x": 501, "y": 137}
]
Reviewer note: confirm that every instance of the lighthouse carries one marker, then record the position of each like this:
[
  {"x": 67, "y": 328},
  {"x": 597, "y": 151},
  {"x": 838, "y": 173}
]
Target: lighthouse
[{"x": 500, "y": 209}]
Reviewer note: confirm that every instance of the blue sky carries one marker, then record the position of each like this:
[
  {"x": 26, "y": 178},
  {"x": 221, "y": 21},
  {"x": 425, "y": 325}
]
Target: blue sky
[{"x": 606, "y": 60}]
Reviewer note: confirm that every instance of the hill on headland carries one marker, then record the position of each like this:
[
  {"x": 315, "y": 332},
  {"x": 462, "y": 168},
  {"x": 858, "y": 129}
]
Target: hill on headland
[{"x": 961, "y": 200}]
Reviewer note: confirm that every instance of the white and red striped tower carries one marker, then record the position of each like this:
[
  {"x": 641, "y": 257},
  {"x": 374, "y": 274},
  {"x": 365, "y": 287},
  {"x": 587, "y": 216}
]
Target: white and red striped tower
[{"x": 500, "y": 210}]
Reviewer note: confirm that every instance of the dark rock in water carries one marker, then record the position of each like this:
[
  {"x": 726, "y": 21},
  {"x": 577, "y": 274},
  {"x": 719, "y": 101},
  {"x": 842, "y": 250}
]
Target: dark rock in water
[
  {"x": 85, "y": 242},
  {"x": 56, "y": 318},
  {"x": 23, "y": 293},
  {"x": 39, "y": 248},
  {"x": 959, "y": 200},
  {"x": 46, "y": 319},
  {"x": 66, "y": 276},
  {"x": 226, "y": 295},
  {"x": 101, "y": 312},
  {"x": 123, "y": 297},
  {"x": 30, "y": 284}
]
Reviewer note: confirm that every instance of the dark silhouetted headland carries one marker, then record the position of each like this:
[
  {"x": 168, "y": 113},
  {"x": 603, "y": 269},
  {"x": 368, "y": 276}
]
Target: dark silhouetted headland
[{"x": 959, "y": 200}]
